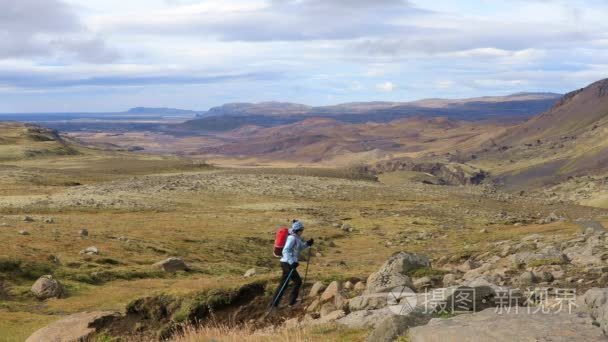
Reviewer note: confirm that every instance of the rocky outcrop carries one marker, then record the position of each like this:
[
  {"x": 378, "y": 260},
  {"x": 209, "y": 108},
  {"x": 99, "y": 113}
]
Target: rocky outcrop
[
  {"x": 393, "y": 272},
  {"x": 445, "y": 173},
  {"x": 490, "y": 325},
  {"x": 74, "y": 328}
]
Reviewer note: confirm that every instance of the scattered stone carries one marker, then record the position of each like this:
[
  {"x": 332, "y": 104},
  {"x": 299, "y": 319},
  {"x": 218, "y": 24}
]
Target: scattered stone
[
  {"x": 90, "y": 251},
  {"x": 423, "y": 283},
  {"x": 360, "y": 286},
  {"x": 368, "y": 302},
  {"x": 250, "y": 273},
  {"x": 24, "y": 232},
  {"x": 83, "y": 232},
  {"x": 348, "y": 285},
  {"x": 314, "y": 306},
  {"x": 172, "y": 265},
  {"x": 449, "y": 280},
  {"x": 483, "y": 231},
  {"x": 47, "y": 287},
  {"x": 49, "y": 220},
  {"x": 527, "y": 278},
  {"x": 316, "y": 289},
  {"x": 28, "y": 219},
  {"x": 331, "y": 291},
  {"x": 347, "y": 228},
  {"x": 467, "y": 266},
  {"x": 54, "y": 259},
  {"x": 327, "y": 308},
  {"x": 77, "y": 327}
]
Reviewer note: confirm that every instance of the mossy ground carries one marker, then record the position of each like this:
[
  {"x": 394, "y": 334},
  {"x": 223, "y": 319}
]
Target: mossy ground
[{"x": 221, "y": 234}]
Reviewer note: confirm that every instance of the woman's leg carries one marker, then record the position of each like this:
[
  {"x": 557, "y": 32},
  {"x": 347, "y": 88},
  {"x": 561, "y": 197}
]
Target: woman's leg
[
  {"x": 278, "y": 294},
  {"x": 297, "y": 283}
]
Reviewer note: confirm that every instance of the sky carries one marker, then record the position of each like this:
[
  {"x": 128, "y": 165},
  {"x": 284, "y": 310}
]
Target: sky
[{"x": 110, "y": 55}]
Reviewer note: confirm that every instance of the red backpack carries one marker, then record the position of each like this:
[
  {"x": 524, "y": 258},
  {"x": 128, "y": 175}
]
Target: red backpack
[{"x": 280, "y": 238}]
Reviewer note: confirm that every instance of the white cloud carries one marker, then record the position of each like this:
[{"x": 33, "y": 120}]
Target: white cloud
[
  {"x": 293, "y": 50},
  {"x": 386, "y": 86},
  {"x": 444, "y": 84}
]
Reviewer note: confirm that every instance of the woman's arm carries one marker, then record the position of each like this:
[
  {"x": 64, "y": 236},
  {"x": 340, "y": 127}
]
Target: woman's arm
[{"x": 288, "y": 250}]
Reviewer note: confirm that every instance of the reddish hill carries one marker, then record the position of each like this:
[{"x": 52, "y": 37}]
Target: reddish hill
[{"x": 568, "y": 140}]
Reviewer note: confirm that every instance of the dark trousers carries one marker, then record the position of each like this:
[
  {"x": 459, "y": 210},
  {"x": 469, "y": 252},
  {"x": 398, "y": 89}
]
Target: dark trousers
[{"x": 297, "y": 283}]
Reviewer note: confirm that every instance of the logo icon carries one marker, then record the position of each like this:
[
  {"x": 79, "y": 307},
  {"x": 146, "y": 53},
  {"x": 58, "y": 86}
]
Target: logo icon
[{"x": 401, "y": 300}]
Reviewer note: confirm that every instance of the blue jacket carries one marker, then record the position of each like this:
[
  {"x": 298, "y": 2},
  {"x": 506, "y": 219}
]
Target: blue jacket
[{"x": 293, "y": 246}]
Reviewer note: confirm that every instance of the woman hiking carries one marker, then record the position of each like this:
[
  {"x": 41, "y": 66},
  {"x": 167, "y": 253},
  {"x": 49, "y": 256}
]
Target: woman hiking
[{"x": 289, "y": 263}]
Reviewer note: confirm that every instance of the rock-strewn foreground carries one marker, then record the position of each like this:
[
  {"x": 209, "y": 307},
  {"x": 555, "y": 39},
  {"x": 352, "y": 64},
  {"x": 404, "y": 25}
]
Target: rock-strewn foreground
[{"x": 487, "y": 325}]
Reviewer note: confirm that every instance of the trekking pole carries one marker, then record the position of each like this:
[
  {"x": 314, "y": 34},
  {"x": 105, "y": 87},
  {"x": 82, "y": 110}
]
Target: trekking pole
[
  {"x": 280, "y": 293},
  {"x": 306, "y": 273}
]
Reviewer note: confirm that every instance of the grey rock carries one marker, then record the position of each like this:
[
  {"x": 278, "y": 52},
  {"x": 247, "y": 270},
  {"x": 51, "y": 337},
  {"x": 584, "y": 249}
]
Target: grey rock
[
  {"x": 367, "y": 302},
  {"x": 360, "y": 286},
  {"x": 449, "y": 280},
  {"x": 90, "y": 251},
  {"x": 595, "y": 302},
  {"x": 393, "y": 326},
  {"x": 527, "y": 278},
  {"x": 47, "y": 287},
  {"x": 77, "y": 327},
  {"x": 393, "y": 272},
  {"x": 250, "y": 273},
  {"x": 363, "y": 319},
  {"x": 172, "y": 265},
  {"x": 508, "y": 326},
  {"x": 331, "y": 291},
  {"x": 316, "y": 289},
  {"x": 423, "y": 283}
]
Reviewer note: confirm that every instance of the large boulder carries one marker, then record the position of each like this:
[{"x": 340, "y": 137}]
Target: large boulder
[
  {"x": 595, "y": 302},
  {"x": 331, "y": 291},
  {"x": 47, "y": 287},
  {"x": 473, "y": 295},
  {"x": 76, "y": 327},
  {"x": 393, "y": 272},
  {"x": 364, "y": 319},
  {"x": 393, "y": 326},
  {"x": 508, "y": 326},
  {"x": 172, "y": 265}
]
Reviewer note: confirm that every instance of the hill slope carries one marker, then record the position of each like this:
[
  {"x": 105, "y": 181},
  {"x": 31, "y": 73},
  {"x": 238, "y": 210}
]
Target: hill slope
[{"x": 569, "y": 140}]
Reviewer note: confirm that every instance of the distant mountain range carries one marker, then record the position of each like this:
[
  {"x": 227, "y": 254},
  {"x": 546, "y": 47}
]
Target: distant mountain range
[{"x": 268, "y": 114}]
